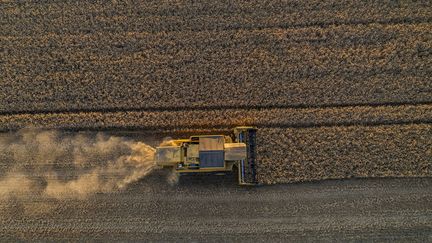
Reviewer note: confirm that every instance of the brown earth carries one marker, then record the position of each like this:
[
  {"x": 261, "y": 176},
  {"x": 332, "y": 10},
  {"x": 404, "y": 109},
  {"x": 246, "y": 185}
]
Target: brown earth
[
  {"x": 206, "y": 209},
  {"x": 297, "y": 67}
]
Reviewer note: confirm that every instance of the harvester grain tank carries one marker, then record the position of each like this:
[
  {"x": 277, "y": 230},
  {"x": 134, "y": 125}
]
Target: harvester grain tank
[{"x": 213, "y": 154}]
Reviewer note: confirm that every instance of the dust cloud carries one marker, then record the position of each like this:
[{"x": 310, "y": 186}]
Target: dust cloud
[{"x": 55, "y": 165}]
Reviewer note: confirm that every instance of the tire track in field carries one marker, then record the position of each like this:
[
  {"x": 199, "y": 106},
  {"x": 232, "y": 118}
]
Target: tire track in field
[
  {"x": 190, "y": 128},
  {"x": 240, "y": 14},
  {"x": 383, "y": 22},
  {"x": 318, "y": 24},
  {"x": 214, "y": 107},
  {"x": 323, "y": 24},
  {"x": 220, "y": 118}
]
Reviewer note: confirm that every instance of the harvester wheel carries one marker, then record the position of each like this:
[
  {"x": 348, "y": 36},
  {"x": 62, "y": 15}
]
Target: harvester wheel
[{"x": 235, "y": 172}]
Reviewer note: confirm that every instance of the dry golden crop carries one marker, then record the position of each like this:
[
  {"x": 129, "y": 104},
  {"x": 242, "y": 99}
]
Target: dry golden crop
[
  {"x": 87, "y": 56},
  {"x": 288, "y": 155}
]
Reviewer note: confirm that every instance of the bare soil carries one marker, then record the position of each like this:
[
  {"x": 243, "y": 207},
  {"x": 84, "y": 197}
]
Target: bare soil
[{"x": 207, "y": 209}]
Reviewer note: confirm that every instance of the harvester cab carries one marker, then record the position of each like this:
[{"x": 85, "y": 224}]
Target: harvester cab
[{"x": 213, "y": 154}]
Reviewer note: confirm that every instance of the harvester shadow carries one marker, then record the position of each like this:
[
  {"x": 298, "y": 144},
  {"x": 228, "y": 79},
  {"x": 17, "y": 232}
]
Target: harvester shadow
[
  {"x": 159, "y": 181},
  {"x": 208, "y": 179}
]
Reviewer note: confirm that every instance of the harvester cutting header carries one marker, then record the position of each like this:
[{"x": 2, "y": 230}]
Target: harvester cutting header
[{"x": 213, "y": 154}]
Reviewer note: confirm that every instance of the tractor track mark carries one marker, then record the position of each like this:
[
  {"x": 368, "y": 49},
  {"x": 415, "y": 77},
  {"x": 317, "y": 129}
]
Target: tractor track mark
[
  {"x": 222, "y": 118},
  {"x": 212, "y": 108},
  {"x": 190, "y": 128},
  {"x": 393, "y": 21},
  {"x": 323, "y": 24}
]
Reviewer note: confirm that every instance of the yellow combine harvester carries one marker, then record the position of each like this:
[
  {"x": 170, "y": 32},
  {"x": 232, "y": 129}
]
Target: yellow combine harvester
[{"x": 213, "y": 154}]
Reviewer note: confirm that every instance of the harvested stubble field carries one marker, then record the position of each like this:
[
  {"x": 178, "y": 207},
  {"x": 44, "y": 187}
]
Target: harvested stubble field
[
  {"x": 199, "y": 65},
  {"x": 339, "y": 89}
]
